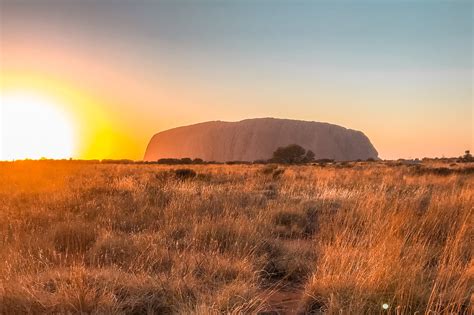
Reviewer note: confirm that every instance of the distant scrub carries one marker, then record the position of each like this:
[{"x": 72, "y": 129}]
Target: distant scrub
[
  {"x": 172, "y": 161},
  {"x": 442, "y": 171},
  {"x": 324, "y": 161},
  {"x": 238, "y": 163}
]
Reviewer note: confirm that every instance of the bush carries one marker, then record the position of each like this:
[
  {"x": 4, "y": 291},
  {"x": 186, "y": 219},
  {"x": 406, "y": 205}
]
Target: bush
[
  {"x": 186, "y": 161},
  {"x": 292, "y": 154},
  {"x": 324, "y": 161},
  {"x": 237, "y": 163},
  {"x": 185, "y": 173},
  {"x": 467, "y": 157}
]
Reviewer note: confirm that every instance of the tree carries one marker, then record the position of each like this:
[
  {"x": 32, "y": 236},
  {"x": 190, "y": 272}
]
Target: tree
[
  {"x": 467, "y": 156},
  {"x": 309, "y": 157},
  {"x": 292, "y": 154}
]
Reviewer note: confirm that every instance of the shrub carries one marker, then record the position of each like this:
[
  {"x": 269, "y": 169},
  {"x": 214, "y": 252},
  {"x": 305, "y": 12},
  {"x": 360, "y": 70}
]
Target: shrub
[
  {"x": 237, "y": 162},
  {"x": 324, "y": 161},
  {"x": 467, "y": 157},
  {"x": 185, "y": 173},
  {"x": 186, "y": 161},
  {"x": 309, "y": 157},
  {"x": 169, "y": 161}
]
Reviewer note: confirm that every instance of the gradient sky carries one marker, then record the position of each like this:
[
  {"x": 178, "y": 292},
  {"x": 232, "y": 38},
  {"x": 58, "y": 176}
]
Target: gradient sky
[{"x": 400, "y": 71}]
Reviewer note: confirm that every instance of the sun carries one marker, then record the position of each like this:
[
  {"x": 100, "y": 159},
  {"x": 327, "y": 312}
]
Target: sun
[{"x": 33, "y": 126}]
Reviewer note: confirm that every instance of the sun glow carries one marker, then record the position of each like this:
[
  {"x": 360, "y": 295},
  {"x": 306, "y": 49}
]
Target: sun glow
[{"x": 34, "y": 126}]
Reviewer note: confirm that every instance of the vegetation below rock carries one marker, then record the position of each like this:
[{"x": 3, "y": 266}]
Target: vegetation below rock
[{"x": 112, "y": 238}]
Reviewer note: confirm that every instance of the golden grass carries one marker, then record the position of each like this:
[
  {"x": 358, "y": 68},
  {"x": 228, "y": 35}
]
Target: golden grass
[{"x": 134, "y": 239}]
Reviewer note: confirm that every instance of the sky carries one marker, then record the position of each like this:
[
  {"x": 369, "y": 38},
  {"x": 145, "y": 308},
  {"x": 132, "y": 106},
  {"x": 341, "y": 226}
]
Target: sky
[{"x": 121, "y": 71}]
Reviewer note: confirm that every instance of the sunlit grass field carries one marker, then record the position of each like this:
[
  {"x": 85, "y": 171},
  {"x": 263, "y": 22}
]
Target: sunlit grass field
[{"x": 348, "y": 238}]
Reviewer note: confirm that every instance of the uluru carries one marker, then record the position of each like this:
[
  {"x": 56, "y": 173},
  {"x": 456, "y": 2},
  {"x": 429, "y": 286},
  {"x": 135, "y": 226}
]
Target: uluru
[{"x": 257, "y": 139}]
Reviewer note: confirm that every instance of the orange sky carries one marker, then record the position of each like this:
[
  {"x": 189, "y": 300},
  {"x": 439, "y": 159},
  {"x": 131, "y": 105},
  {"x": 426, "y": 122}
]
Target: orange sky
[{"x": 121, "y": 85}]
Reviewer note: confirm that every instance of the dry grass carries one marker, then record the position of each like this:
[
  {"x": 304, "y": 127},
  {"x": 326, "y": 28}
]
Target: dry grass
[{"x": 136, "y": 239}]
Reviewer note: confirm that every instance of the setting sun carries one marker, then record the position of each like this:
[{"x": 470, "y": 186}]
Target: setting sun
[{"x": 34, "y": 126}]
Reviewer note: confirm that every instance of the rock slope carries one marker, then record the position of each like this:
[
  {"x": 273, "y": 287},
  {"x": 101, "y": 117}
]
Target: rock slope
[{"x": 254, "y": 139}]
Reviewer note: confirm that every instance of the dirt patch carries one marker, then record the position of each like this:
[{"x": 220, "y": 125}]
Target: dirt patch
[{"x": 284, "y": 301}]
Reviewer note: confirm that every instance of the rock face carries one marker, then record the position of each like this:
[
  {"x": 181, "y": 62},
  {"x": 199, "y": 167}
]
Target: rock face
[{"x": 254, "y": 139}]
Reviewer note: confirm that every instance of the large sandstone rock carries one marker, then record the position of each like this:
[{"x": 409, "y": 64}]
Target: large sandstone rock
[{"x": 254, "y": 139}]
